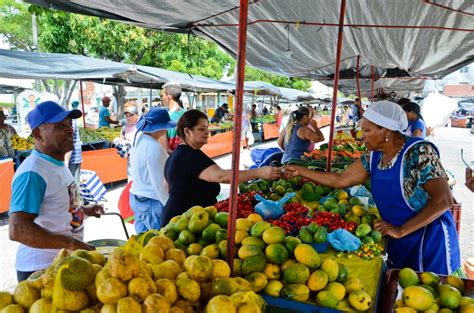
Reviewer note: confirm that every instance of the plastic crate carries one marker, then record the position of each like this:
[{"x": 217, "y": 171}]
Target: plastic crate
[
  {"x": 277, "y": 305},
  {"x": 456, "y": 212},
  {"x": 391, "y": 288}
]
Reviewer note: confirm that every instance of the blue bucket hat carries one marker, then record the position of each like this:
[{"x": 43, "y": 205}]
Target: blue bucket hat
[
  {"x": 156, "y": 119},
  {"x": 50, "y": 112}
]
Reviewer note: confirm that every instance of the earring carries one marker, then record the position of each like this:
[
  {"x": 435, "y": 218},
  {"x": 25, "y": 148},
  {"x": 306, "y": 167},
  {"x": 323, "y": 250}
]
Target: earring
[{"x": 386, "y": 139}]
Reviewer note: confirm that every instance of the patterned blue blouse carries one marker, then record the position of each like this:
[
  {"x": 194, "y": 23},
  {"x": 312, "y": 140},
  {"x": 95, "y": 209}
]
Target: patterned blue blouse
[{"x": 420, "y": 164}]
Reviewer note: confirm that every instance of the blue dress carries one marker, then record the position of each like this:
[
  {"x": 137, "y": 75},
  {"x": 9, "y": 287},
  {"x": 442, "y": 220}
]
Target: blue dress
[{"x": 434, "y": 247}]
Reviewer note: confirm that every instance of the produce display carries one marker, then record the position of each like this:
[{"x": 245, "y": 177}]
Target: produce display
[
  {"x": 346, "y": 149},
  {"x": 20, "y": 143},
  {"x": 264, "y": 119},
  {"x": 220, "y": 126},
  {"x": 272, "y": 262},
  {"x": 147, "y": 274},
  {"x": 102, "y": 134},
  {"x": 429, "y": 292}
]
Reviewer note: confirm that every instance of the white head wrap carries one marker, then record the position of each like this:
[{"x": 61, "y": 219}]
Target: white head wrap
[{"x": 388, "y": 115}]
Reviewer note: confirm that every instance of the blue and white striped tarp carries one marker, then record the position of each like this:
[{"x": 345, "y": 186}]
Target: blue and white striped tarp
[{"x": 91, "y": 188}]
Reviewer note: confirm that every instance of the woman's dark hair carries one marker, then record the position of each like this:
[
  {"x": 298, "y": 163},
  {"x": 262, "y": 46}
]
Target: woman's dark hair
[
  {"x": 300, "y": 113},
  {"x": 278, "y": 107},
  {"x": 188, "y": 120},
  {"x": 413, "y": 107},
  {"x": 403, "y": 101}
]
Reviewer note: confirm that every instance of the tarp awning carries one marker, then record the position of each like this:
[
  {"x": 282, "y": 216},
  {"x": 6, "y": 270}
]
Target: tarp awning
[{"x": 297, "y": 38}]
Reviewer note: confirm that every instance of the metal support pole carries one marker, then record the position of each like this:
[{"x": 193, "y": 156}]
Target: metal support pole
[
  {"x": 357, "y": 78},
  {"x": 151, "y": 95},
  {"x": 336, "y": 82},
  {"x": 82, "y": 105},
  {"x": 373, "y": 78},
  {"x": 239, "y": 94}
]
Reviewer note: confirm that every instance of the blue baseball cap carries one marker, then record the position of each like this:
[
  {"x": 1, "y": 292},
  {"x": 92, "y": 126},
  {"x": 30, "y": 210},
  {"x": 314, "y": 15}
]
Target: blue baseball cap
[
  {"x": 49, "y": 112},
  {"x": 156, "y": 119}
]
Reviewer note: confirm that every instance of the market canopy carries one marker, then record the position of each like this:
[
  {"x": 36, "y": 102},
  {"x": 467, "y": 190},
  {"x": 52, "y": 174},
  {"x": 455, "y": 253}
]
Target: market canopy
[
  {"x": 296, "y": 95},
  {"x": 297, "y": 38},
  {"x": 34, "y": 65}
]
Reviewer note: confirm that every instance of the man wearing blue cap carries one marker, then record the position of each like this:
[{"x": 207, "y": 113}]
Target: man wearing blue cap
[
  {"x": 149, "y": 191},
  {"x": 45, "y": 209}
]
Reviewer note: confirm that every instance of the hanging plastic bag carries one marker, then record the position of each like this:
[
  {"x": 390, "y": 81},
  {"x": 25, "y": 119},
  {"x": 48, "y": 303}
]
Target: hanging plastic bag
[
  {"x": 269, "y": 209},
  {"x": 342, "y": 240}
]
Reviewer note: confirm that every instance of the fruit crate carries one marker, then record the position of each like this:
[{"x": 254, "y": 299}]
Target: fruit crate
[
  {"x": 391, "y": 288},
  {"x": 456, "y": 212},
  {"x": 277, "y": 305}
]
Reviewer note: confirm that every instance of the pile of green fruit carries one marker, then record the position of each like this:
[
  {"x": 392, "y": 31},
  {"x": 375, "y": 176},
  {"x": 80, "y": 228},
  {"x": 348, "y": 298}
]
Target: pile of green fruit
[
  {"x": 428, "y": 292},
  {"x": 89, "y": 135},
  {"x": 273, "y": 263}
]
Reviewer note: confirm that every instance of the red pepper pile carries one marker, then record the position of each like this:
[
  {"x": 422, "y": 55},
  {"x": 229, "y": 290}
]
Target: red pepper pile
[
  {"x": 296, "y": 216},
  {"x": 333, "y": 221},
  {"x": 245, "y": 204}
]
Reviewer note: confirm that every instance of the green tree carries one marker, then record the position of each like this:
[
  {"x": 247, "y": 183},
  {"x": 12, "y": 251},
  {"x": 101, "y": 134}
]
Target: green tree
[{"x": 15, "y": 24}]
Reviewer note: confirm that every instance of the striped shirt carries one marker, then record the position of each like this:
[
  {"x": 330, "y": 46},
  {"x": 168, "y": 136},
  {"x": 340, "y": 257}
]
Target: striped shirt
[{"x": 76, "y": 155}]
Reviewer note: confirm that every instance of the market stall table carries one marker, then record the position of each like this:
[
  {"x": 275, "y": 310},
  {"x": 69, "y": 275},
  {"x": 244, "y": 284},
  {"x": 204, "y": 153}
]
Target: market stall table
[
  {"x": 107, "y": 163},
  {"x": 6, "y": 177}
]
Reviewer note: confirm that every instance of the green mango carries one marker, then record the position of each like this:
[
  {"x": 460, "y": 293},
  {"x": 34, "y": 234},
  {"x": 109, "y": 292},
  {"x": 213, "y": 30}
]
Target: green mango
[
  {"x": 363, "y": 230},
  {"x": 313, "y": 227},
  {"x": 243, "y": 188},
  {"x": 320, "y": 236},
  {"x": 368, "y": 240},
  {"x": 305, "y": 236},
  {"x": 376, "y": 235}
]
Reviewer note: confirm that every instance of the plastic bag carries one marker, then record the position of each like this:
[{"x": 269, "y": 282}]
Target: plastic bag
[
  {"x": 436, "y": 109},
  {"x": 364, "y": 195},
  {"x": 342, "y": 240},
  {"x": 250, "y": 137},
  {"x": 269, "y": 209}
]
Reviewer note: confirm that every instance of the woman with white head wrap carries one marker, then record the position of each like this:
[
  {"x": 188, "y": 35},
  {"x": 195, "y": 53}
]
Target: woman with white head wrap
[{"x": 410, "y": 189}]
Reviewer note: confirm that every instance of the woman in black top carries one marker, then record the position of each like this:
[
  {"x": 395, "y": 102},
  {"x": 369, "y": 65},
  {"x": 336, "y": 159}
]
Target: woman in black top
[{"x": 193, "y": 178}]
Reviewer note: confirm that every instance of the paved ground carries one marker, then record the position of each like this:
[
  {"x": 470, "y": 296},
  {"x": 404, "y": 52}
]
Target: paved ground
[{"x": 449, "y": 140}]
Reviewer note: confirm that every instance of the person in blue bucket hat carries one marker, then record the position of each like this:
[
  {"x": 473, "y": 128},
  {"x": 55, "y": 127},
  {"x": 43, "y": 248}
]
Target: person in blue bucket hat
[
  {"x": 46, "y": 212},
  {"x": 149, "y": 191}
]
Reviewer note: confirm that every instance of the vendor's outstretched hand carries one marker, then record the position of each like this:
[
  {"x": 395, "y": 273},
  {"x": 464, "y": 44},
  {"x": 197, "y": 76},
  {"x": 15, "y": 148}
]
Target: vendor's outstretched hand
[
  {"x": 291, "y": 171},
  {"x": 93, "y": 210},
  {"x": 270, "y": 172},
  {"x": 388, "y": 229}
]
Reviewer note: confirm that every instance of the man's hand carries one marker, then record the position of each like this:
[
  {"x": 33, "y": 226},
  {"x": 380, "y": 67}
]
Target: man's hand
[
  {"x": 269, "y": 172},
  {"x": 93, "y": 210},
  {"x": 77, "y": 244},
  {"x": 388, "y": 229},
  {"x": 469, "y": 179}
]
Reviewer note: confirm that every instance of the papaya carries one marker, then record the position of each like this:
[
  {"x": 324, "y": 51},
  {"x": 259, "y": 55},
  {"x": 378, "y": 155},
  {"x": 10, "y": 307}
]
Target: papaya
[
  {"x": 296, "y": 292},
  {"x": 249, "y": 250},
  {"x": 273, "y": 235},
  {"x": 296, "y": 274},
  {"x": 276, "y": 253},
  {"x": 327, "y": 299},
  {"x": 306, "y": 255},
  {"x": 254, "y": 241},
  {"x": 417, "y": 298},
  {"x": 331, "y": 267},
  {"x": 291, "y": 243},
  {"x": 252, "y": 264},
  {"x": 258, "y": 228}
]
